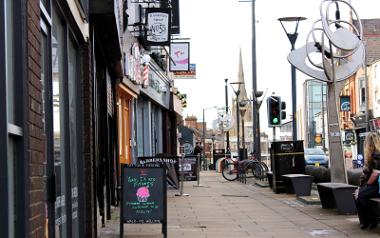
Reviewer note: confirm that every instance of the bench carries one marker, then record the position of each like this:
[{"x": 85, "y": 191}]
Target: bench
[
  {"x": 337, "y": 195},
  {"x": 377, "y": 200},
  {"x": 300, "y": 184}
]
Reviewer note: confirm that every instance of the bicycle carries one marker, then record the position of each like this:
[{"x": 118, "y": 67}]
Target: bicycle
[{"x": 249, "y": 168}]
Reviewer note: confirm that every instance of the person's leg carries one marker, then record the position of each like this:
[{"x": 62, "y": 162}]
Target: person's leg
[
  {"x": 361, "y": 206},
  {"x": 367, "y": 209}
]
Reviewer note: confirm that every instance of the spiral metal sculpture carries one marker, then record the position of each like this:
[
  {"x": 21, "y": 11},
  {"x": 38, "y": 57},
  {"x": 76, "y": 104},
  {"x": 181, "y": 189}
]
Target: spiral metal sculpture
[
  {"x": 333, "y": 52},
  {"x": 341, "y": 50}
]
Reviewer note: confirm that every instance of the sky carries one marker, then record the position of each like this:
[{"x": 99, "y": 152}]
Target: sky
[{"x": 218, "y": 29}]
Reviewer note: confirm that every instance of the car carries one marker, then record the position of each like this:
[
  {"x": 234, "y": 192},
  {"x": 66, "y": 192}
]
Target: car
[{"x": 316, "y": 157}]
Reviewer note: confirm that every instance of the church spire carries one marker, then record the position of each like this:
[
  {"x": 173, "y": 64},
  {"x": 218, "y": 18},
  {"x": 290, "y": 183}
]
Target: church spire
[{"x": 243, "y": 92}]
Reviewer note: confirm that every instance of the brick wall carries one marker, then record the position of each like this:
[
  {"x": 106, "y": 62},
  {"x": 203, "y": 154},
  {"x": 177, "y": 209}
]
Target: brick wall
[{"x": 35, "y": 139}]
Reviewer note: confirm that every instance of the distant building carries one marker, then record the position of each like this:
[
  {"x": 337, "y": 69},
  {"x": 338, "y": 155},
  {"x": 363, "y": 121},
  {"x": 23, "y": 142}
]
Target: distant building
[
  {"x": 315, "y": 98},
  {"x": 248, "y": 111}
]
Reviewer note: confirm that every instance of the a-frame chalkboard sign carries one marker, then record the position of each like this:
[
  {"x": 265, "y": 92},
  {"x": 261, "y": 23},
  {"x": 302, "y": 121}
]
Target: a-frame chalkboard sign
[{"x": 143, "y": 196}]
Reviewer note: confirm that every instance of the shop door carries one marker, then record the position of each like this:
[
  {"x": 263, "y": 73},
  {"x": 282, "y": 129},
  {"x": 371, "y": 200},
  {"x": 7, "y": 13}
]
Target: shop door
[{"x": 124, "y": 126}]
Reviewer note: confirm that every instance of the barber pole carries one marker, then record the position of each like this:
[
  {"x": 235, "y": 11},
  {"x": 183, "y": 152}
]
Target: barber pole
[{"x": 145, "y": 76}]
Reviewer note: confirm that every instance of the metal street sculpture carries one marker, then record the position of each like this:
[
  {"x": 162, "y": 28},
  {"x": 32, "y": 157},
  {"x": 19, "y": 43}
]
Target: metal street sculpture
[{"x": 334, "y": 51}]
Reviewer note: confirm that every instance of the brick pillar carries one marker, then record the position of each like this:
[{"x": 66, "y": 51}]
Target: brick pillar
[{"x": 34, "y": 136}]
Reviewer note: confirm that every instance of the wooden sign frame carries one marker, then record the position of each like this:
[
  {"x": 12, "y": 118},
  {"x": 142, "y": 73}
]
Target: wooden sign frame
[{"x": 140, "y": 191}]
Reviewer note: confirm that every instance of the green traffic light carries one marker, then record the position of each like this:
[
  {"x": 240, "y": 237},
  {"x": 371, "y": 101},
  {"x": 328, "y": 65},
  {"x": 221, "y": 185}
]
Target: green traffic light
[{"x": 275, "y": 120}]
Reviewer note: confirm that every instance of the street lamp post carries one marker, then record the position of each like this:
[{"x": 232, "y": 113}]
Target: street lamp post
[
  {"x": 204, "y": 136},
  {"x": 227, "y": 132},
  {"x": 237, "y": 93},
  {"x": 212, "y": 150},
  {"x": 243, "y": 109},
  {"x": 255, "y": 108},
  {"x": 204, "y": 133},
  {"x": 292, "y": 36}
]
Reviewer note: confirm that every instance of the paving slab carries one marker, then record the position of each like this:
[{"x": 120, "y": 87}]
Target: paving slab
[{"x": 235, "y": 210}]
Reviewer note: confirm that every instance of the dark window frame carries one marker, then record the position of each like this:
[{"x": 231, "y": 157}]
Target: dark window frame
[
  {"x": 14, "y": 132},
  {"x": 46, "y": 24},
  {"x": 69, "y": 36},
  {"x": 4, "y": 229}
]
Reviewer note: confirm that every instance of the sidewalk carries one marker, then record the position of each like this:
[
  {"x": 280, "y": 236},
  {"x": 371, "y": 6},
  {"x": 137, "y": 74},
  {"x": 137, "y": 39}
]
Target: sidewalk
[{"x": 235, "y": 210}]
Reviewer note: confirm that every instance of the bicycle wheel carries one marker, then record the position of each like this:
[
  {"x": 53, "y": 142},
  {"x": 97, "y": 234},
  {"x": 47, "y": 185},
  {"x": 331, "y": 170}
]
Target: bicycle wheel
[
  {"x": 256, "y": 170},
  {"x": 264, "y": 165},
  {"x": 229, "y": 171}
]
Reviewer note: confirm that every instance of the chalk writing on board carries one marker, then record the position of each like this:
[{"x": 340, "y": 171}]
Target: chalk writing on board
[
  {"x": 143, "y": 194},
  {"x": 148, "y": 182},
  {"x": 134, "y": 221}
]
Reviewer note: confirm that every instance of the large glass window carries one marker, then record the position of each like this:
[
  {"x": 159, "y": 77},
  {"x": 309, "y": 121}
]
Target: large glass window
[
  {"x": 9, "y": 62},
  {"x": 11, "y": 116},
  {"x": 58, "y": 45},
  {"x": 74, "y": 155}
]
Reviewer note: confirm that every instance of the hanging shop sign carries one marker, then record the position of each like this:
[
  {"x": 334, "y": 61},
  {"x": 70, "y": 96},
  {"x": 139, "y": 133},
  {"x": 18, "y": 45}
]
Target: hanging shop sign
[
  {"x": 191, "y": 74},
  {"x": 158, "y": 26},
  {"x": 180, "y": 54},
  {"x": 175, "y": 17},
  {"x": 345, "y": 104}
]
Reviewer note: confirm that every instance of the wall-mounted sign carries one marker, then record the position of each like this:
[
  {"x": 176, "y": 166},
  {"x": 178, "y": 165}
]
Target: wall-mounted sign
[
  {"x": 158, "y": 26},
  {"x": 135, "y": 64},
  {"x": 349, "y": 137},
  {"x": 180, "y": 54},
  {"x": 345, "y": 104},
  {"x": 191, "y": 74}
]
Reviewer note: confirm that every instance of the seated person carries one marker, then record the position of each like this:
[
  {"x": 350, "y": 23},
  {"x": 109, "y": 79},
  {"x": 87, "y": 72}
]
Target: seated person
[{"x": 369, "y": 185}]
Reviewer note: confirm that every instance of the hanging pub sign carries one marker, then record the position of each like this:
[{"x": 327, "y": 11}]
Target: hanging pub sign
[
  {"x": 158, "y": 26},
  {"x": 180, "y": 55},
  {"x": 345, "y": 104}
]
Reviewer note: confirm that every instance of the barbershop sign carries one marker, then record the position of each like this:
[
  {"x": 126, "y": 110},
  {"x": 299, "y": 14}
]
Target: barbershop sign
[{"x": 158, "y": 26}]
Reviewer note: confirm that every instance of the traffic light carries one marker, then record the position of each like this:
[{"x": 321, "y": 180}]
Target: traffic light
[
  {"x": 283, "y": 112},
  {"x": 183, "y": 97},
  {"x": 184, "y": 104},
  {"x": 274, "y": 111}
]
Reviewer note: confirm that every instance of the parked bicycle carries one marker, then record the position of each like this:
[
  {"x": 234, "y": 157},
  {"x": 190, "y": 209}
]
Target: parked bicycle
[{"x": 250, "y": 168}]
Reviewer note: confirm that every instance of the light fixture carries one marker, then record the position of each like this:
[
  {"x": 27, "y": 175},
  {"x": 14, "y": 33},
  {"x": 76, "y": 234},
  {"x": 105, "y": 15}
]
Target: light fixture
[
  {"x": 292, "y": 36},
  {"x": 145, "y": 59},
  {"x": 236, "y": 87},
  {"x": 289, "y": 22}
]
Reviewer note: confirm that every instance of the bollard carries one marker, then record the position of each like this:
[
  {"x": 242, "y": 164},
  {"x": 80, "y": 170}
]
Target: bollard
[
  {"x": 182, "y": 178},
  {"x": 198, "y": 172}
]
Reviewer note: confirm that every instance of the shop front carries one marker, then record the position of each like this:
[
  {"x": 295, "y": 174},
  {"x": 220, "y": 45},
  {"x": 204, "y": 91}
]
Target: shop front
[{"x": 153, "y": 115}]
